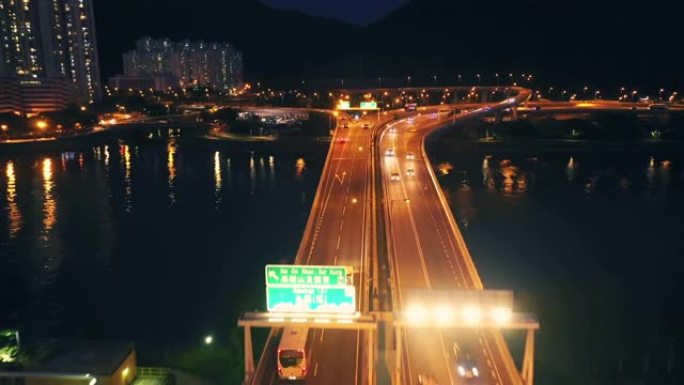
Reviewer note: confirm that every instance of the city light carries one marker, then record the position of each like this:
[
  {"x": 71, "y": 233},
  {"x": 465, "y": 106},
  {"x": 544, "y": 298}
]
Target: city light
[
  {"x": 501, "y": 315},
  {"x": 41, "y": 124},
  {"x": 208, "y": 340},
  {"x": 443, "y": 314},
  {"x": 472, "y": 314},
  {"x": 415, "y": 314}
]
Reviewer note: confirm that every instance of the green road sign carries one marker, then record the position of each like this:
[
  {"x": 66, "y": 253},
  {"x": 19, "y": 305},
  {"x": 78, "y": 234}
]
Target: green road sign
[
  {"x": 307, "y": 276},
  {"x": 369, "y": 105},
  {"x": 311, "y": 299}
]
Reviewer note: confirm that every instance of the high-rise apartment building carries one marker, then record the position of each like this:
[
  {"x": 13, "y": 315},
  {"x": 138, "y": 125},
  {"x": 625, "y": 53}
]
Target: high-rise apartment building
[
  {"x": 50, "y": 40},
  {"x": 218, "y": 65}
]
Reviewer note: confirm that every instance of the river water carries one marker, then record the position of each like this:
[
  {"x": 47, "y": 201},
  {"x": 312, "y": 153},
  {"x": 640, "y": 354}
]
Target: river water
[
  {"x": 158, "y": 241},
  {"x": 589, "y": 238},
  {"x": 164, "y": 241}
]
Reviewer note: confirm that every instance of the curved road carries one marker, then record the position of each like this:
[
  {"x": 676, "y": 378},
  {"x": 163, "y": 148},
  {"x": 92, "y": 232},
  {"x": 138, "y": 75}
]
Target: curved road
[{"x": 427, "y": 251}]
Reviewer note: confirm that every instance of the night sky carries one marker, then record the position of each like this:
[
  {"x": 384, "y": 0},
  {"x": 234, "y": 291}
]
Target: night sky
[
  {"x": 604, "y": 44},
  {"x": 359, "y": 12}
]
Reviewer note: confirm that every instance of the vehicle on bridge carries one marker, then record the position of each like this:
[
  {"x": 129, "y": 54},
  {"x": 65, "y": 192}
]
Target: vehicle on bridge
[
  {"x": 292, "y": 362},
  {"x": 411, "y": 106},
  {"x": 426, "y": 379},
  {"x": 410, "y": 172},
  {"x": 410, "y": 156},
  {"x": 395, "y": 177},
  {"x": 389, "y": 152},
  {"x": 465, "y": 363},
  {"x": 366, "y": 126}
]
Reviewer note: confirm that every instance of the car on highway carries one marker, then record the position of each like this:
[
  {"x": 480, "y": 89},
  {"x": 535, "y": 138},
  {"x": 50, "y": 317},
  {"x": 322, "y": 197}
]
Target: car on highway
[
  {"x": 345, "y": 125},
  {"x": 465, "y": 363},
  {"x": 410, "y": 172},
  {"x": 392, "y": 130},
  {"x": 390, "y": 152},
  {"x": 366, "y": 126},
  {"x": 410, "y": 156},
  {"x": 411, "y": 120},
  {"x": 342, "y": 139},
  {"x": 426, "y": 379},
  {"x": 394, "y": 177}
]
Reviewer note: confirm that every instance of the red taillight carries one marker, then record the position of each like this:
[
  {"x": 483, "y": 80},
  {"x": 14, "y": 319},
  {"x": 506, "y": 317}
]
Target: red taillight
[
  {"x": 304, "y": 371},
  {"x": 280, "y": 371}
]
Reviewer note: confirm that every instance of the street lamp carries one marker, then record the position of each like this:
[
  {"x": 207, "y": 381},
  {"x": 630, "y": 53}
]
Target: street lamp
[
  {"x": 479, "y": 79},
  {"x": 208, "y": 340},
  {"x": 41, "y": 124}
]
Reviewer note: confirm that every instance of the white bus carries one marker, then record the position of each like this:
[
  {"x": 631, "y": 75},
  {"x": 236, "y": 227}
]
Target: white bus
[{"x": 292, "y": 362}]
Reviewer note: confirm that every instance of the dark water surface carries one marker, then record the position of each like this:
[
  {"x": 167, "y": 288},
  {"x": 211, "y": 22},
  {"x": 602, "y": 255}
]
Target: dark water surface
[
  {"x": 151, "y": 241},
  {"x": 590, "y": 241}
]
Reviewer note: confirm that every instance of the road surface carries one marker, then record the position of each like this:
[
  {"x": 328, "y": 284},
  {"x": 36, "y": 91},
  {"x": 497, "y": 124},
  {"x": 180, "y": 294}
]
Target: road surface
[{"x": 427, "y": 251}]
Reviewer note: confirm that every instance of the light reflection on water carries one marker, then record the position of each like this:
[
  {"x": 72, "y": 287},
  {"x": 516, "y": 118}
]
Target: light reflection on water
[
  {"x": 171, "y": 168},
  {"x": 300, "y": 167},
  {"x": 515, "y": 178},
  {"x": 13, "y": 212},
  {"x": 108, "y": 217},
  {"x": 587, "y": 234},
  {"x": 49, "y": 203},
  {"x": 218, "y": 179}
]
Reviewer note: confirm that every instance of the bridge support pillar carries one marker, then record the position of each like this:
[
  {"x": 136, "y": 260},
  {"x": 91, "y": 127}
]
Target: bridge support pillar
[
  {"x": 371, "y": 356},
  {"x": 528, "y": 359},
  {"x": 249, "y": 355}
]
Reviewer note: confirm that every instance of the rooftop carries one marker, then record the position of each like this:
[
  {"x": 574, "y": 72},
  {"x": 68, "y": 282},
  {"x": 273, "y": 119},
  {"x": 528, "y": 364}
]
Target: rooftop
[{"x": 77, "y": 357}]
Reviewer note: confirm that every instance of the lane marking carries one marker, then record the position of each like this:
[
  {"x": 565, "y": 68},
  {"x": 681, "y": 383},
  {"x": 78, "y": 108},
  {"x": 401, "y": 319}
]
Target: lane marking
[
  {"x": 356, "y": 366},
  {"x": 316, "y": 370}
]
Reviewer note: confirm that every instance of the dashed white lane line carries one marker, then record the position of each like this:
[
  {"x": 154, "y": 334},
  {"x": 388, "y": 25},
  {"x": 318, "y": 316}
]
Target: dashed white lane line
[{"x": 316, "y": 370}]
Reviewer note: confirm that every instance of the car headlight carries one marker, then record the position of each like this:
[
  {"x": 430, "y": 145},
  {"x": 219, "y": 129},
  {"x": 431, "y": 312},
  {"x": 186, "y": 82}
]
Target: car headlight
[
  {"x": 461, "y": 370},
  {"x": 476, "y": 372}
]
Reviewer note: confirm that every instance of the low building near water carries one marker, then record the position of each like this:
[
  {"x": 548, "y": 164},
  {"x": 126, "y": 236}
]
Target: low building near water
[{"x": 72, "y": 363}]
